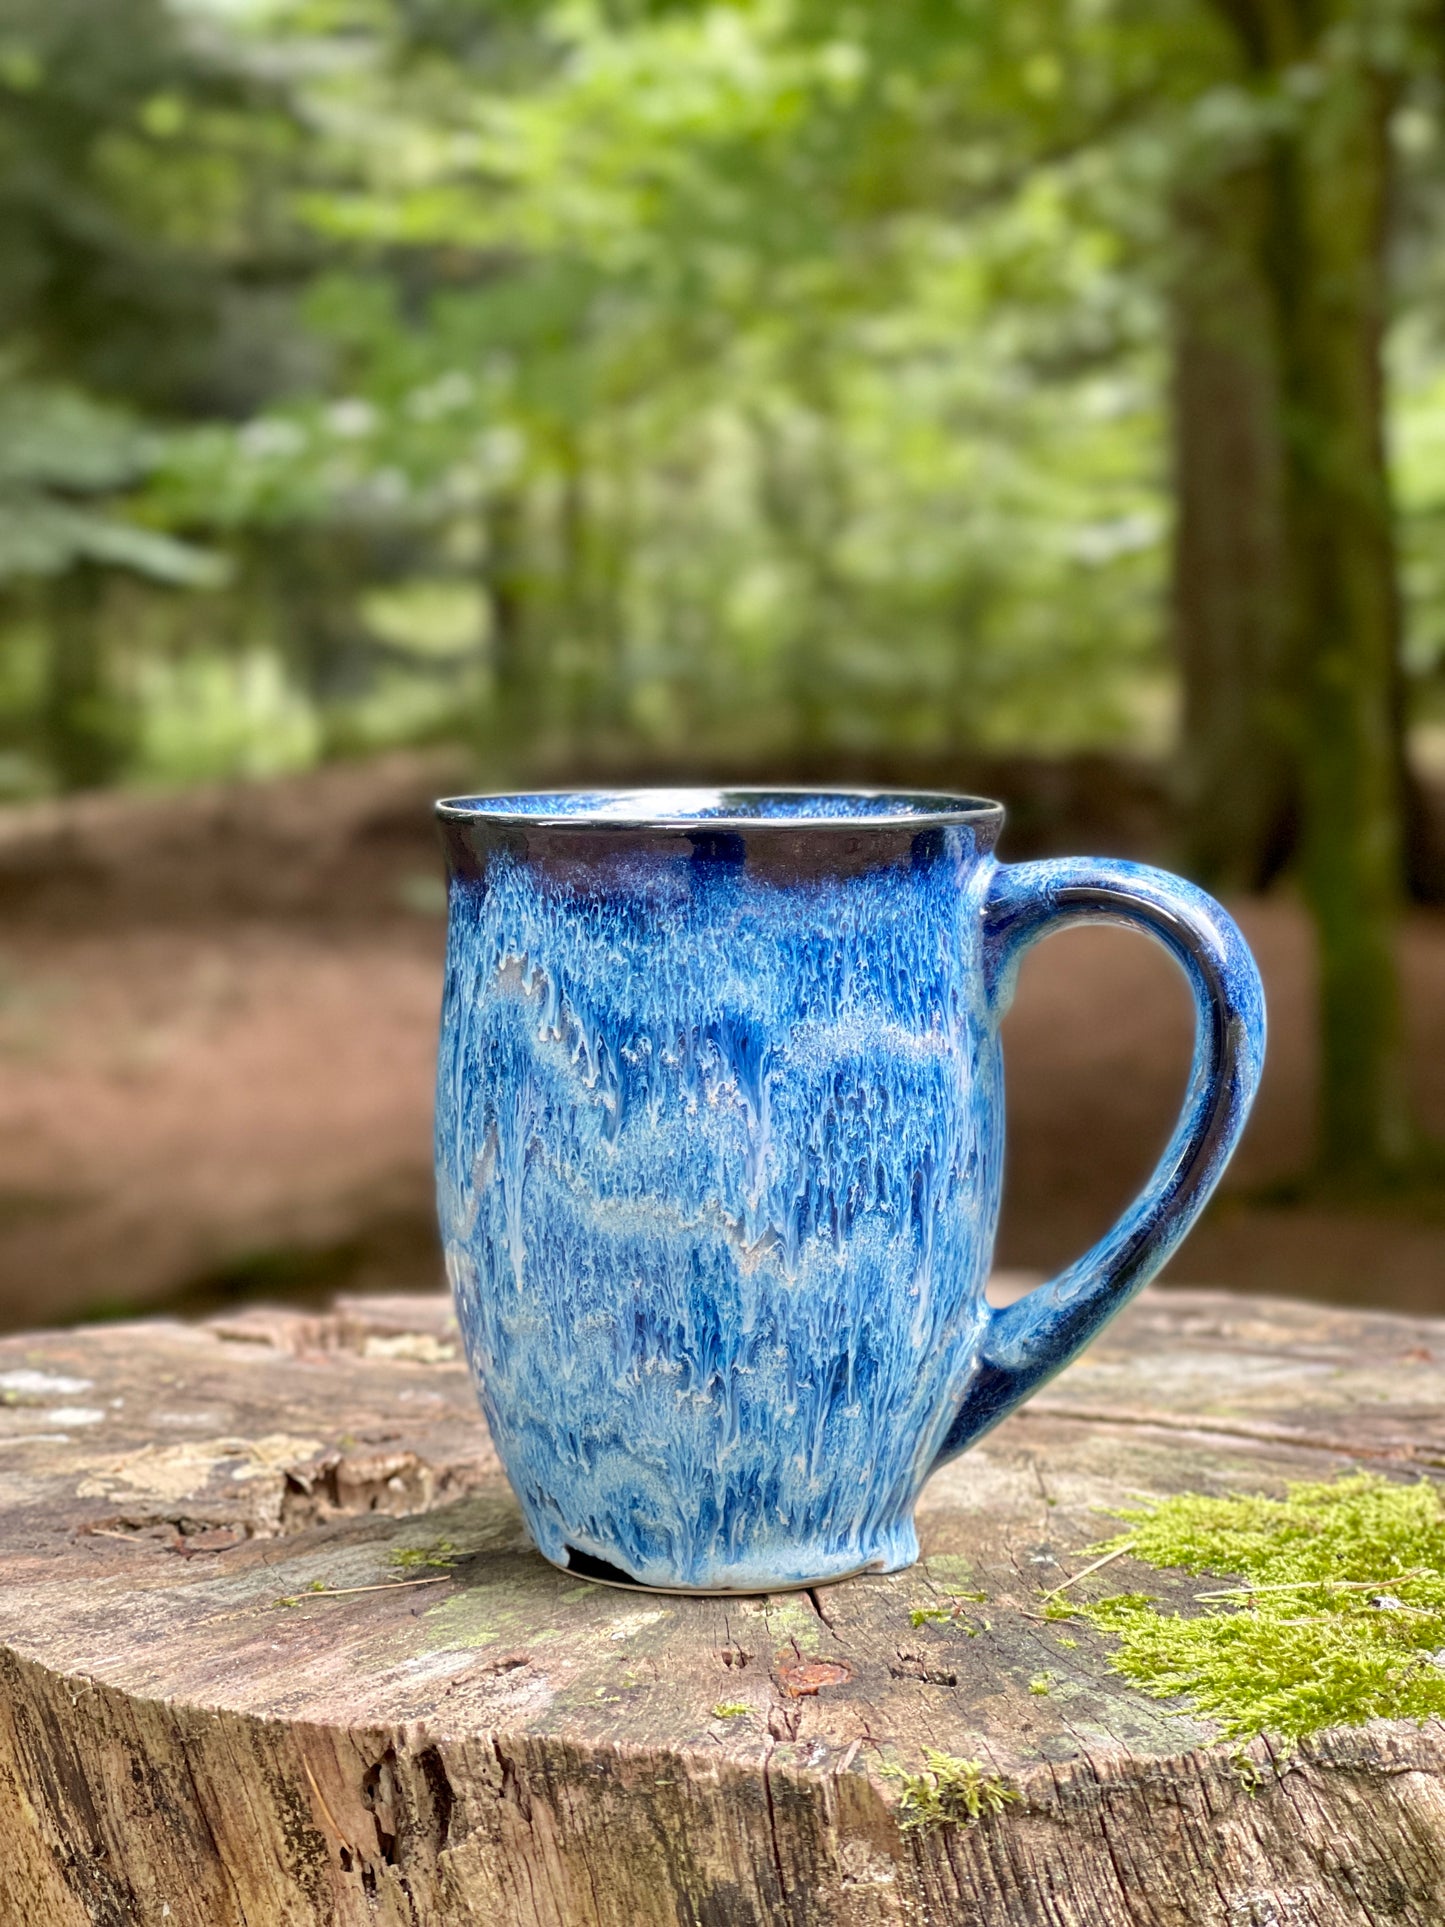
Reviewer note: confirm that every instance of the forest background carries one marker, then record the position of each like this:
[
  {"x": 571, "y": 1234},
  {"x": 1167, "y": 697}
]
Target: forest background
[{"x": 619, "y": 389}]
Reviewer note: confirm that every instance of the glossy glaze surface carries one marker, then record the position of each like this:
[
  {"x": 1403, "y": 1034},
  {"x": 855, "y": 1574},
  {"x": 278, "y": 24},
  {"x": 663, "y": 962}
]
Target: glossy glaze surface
[{"x": 719, "y": 1151}]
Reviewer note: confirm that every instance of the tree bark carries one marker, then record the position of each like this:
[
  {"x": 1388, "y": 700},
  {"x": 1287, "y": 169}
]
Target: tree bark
[
  {"x": 1326, "y": 170},
  {"x": 803, "y": 498},
  {"x": 594, "y": 698},
  {"x": 1328, "y": 265},
  {"x": 1237, "y": 781},
  {"x": 83, "y": 724},
  {"x": 515, "y": 690}
]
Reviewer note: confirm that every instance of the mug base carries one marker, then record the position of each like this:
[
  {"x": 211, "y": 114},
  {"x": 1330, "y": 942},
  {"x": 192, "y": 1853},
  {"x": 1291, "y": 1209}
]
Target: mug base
[{"x": 622, "y": 1583}]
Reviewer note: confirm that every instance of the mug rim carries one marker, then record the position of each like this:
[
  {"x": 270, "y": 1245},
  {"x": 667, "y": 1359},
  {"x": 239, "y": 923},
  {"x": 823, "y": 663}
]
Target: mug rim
[{"x": 602, "y": 809}]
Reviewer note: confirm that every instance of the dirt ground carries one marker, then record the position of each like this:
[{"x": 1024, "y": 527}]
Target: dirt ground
[{"x": 217, "y": 1019}]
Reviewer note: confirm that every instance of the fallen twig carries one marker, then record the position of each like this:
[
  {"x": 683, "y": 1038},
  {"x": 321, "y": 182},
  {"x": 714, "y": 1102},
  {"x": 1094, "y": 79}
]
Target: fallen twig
[
  {"x": 1098, "y": 1565},
  {"x": 1315, "y": 1585},
  {"x": 338, "y": 1592}
]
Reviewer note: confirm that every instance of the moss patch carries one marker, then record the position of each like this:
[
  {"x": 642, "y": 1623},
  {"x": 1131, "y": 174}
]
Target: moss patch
[
  {"x": 949, "y": 1792},
  {"x": 1335, "y": 1613},
  {"x": 951, "y": 1614},
  {"x": 441, "y": 1553}
]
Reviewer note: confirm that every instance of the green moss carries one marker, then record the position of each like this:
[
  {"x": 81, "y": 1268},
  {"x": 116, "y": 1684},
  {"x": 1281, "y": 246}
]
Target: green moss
[
  {"x": 294, "y": 1599},
  {"x": 1041, "y": 1684},
  {"x": 1336, "y": 1614},
  {"x": 441, "y": 1552},
  {"x": 940, "y": 1615},
  {"x": 731, "y": 1710},
  {"x": 949, "y": 1792}
]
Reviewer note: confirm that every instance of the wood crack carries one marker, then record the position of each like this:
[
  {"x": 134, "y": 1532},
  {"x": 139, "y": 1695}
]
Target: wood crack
[
  {"x": 817, "y": 1604},
  {"x": 1260, "y": 1432},
  {"x": 771, "y": 1811}
]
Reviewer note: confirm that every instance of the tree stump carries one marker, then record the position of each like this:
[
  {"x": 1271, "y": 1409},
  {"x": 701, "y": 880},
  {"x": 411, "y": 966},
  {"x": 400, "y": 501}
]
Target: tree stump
[{"x": 274, "y": 1648}]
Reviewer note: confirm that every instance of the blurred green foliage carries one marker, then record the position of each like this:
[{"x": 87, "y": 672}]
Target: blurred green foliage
[
  {"x": 745, "y": 382},
  {"x": 739, "y": 382}
]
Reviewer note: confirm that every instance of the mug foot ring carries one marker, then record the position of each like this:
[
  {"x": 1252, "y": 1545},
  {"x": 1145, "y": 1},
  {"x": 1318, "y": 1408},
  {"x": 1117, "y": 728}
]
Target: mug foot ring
[{"x": 586, "y": 1565}]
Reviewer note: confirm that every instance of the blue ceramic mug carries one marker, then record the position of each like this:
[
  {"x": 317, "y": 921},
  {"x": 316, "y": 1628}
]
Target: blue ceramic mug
[{"x": 719, "y": 1147}]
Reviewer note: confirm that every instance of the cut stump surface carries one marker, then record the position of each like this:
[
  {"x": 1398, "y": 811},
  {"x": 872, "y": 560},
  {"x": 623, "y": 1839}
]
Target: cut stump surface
[{"x": 275, "y": 1649}]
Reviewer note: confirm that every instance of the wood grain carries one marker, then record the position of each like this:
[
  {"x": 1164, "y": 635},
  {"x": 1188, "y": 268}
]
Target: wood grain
[{"x": 489, "y": 1741}]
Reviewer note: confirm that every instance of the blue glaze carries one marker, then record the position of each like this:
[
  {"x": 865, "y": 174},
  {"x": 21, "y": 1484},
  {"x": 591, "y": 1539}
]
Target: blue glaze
[{"x": 720, "y": 1151}]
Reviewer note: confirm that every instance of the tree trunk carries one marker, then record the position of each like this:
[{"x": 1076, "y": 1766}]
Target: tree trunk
[
  {"x": 805, "y": 503},
  {"x": 83, "y": 722},
  {"x": 1328, "y": 273},
  {"x": 594, "y": 699},
  {"x": 514, "y": 683},
  {"x": 1237, "y": 791},
  {"x": 1325, "y": 172}
]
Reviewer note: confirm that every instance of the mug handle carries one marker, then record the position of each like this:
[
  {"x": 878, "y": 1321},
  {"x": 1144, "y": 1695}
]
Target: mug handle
[{"x": 1024, "y": 1344}]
